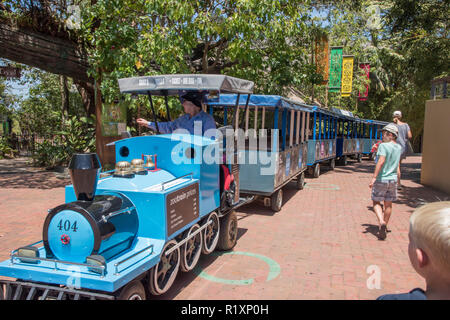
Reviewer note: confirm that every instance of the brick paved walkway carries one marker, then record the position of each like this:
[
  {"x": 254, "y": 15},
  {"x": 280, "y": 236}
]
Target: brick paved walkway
[{"x": 320, "y": 246}]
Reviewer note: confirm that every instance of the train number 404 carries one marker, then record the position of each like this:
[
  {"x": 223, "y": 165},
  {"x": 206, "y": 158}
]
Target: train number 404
[{"x": 67, "y": 225}]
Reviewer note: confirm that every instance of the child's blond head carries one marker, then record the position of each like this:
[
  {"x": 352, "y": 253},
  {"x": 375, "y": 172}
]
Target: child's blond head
[{"x": 430, "y": 231}]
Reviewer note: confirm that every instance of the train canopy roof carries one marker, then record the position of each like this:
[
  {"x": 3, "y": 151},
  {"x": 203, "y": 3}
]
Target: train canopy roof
[
  {"x": 259, "y": 100},
  {"x": 378, "y": 122},
  {"x": 174, "y": 84},
  {"x": 345, "y": 114}
]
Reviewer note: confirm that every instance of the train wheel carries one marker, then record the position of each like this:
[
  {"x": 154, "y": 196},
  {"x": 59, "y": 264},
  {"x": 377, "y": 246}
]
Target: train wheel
[
  {"x": 300, "y": 183},
  {"x": 191, "y": 249},
  {"x": 332, "y": 164},
  {"x": 211, "y": 234},
  {"x": 164, "y": 273},
  {"x": 132, "y": 291},
  {"x": 343, "y": 161},
  {"x": 277, "y": 200},
  {"x": 228, "y": 231},
  {"x": 316, "y": 170}
]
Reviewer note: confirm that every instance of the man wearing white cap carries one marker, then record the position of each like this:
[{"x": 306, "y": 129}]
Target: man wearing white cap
[
  {"x": 404, "y": 134},
  {"x": 384, "y": 181}
]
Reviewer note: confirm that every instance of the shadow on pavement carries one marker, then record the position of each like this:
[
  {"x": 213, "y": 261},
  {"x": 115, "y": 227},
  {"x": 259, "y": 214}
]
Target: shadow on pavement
[
  {"x": 33, "y": 180},
  {"x": 257, "y": 206},
  {"x": 183, "y": 279},
  {"x": 19, "y": 173},
  {"x": 371, "y": 228}
]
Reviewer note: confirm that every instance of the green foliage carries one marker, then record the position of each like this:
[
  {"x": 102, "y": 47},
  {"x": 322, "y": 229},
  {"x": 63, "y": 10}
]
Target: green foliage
[
  {"x": 258, "y": 40},
  {"x": 77, "y": 136},
  {"x": 6, "y": 151},
  {"x": 46, "y": 154},
  {"x": 41, "y": 111},
  {"x": 266, "y": 41},
  {"x": 406, "y": 50},
  {"x": 7, "y": 99}
]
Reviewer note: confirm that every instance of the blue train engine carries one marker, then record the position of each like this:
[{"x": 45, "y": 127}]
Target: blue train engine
[{"x": 127, "y": 234}]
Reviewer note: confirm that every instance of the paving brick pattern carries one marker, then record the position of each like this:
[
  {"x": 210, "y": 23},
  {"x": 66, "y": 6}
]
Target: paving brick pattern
[{"x": 321, "y": 245}]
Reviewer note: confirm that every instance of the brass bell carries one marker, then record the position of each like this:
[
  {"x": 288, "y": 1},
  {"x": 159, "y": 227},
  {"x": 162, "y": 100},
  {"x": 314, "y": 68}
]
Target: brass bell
[
  {"x": 123, "y": 168},
  {"x": 149, "y": 164},
  {"x": 137, "y": 166}
]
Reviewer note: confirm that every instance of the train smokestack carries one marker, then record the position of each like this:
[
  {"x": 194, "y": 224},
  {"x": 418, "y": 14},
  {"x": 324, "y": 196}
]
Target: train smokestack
[{"x": 84, "y": 169}]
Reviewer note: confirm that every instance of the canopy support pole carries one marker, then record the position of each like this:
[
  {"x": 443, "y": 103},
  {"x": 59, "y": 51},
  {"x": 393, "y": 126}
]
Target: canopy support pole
[
  {"x": 167, "y": 106},
  {"x": 153, "y": 110}
]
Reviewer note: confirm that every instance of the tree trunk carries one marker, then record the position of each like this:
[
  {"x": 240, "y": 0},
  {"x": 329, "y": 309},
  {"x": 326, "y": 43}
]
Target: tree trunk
[
  {"x": 87, "y": 92},
  {"x": 106, "y": 153},
  {"x": 64, "y": 98}
]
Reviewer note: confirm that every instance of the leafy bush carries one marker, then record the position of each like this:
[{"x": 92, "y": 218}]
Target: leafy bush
[
  {"x": 5, "y": 149},
  {"x": 47, "y": 154},
  {"x": 78, "y": 136}
]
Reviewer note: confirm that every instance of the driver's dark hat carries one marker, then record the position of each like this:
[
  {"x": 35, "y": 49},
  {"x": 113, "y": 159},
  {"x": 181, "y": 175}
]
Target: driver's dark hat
[{"x": 194, "y": 97}]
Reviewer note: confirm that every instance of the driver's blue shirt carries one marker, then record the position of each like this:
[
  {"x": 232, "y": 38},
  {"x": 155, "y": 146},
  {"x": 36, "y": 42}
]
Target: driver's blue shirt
[{"x": 197, "y": 124}]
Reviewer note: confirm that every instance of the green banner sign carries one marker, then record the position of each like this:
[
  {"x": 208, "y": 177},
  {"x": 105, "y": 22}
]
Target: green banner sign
[
  {"x": 114, "y": 118},
  {"x": 334, "y": 85}
]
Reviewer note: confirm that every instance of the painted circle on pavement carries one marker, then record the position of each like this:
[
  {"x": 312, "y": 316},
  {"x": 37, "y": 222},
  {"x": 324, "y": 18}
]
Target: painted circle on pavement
[{"x": 274, "y": 269}]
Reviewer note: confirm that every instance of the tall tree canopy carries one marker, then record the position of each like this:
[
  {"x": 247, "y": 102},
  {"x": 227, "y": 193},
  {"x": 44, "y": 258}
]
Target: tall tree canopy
[
  {"x": 261, "y": 40},
  {"x": 406, "y": 43}
]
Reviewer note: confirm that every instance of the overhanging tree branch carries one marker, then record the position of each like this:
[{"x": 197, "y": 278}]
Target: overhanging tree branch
[{"x": 59, "y": 56}]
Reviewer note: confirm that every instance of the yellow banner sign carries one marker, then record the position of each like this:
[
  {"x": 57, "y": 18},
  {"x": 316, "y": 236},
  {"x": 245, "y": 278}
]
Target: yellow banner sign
[{"x": 347, "y": 76}]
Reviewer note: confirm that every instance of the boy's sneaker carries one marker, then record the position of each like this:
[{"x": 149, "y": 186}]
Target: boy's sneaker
[{"x": 382, "y": 232}]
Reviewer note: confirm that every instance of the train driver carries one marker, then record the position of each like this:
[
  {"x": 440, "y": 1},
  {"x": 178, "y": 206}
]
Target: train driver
[{"x": 195, "y": 120}]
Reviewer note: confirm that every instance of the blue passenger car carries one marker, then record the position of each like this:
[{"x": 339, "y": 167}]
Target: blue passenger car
[
  {"x": 272, "y": 144},
  {"x": 322, "y": 142},
  {"x": 371, "y": 134},
  {"x": 349, "y": 136}
]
